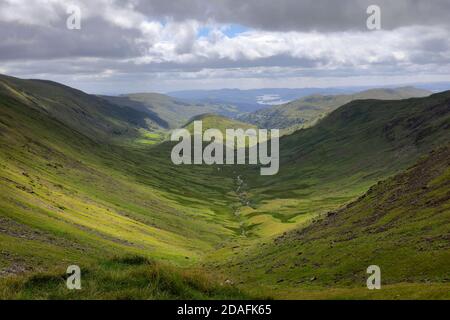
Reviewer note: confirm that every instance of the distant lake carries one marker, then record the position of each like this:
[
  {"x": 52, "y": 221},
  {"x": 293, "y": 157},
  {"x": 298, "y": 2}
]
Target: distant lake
[{"x": 271, "y": 99}]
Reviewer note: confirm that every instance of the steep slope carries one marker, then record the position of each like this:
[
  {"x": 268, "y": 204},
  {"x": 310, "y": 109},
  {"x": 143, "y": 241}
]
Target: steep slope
[
  {"x": 306, "y": 111},
  {"x": 340, "y": 158},
  {"x": 175, "y": 112},
  {"x": 87, "y": 114},
  {"x": 401, "y": 224},
  {"x": 70, "y": 197}
]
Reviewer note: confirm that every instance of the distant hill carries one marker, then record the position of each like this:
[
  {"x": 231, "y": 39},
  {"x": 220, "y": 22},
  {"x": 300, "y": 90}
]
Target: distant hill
[
  {"x": 254, "y": 99},
  {"x": 212, "y": 121},
  {"x": 174, "y": 112},
  {"x": 308, "y": 110}
]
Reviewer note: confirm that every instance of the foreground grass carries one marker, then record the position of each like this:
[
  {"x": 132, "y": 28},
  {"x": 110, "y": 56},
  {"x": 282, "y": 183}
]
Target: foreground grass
[
  {"x": 399, "y": 291},
  {"x": 130, "y": 277}
]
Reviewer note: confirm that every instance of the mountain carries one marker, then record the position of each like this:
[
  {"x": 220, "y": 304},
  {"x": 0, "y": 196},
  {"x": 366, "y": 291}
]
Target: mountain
[
  {"x": 174, "y": 112},
  {"x": 72, "y": 192},
  {"x": 401, "y": 224},
  {"x": 251, "y": 100},
  {"x": 338, "y": 159},
  {"x": 306, "y": 111},
  {"x": 76, "y": 191},
  {"x": 434, "y": 86},
  {"x": 86, "y": 114}
]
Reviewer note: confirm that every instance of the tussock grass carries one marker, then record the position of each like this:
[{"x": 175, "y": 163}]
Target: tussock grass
[{"x": 126, "y": 277}]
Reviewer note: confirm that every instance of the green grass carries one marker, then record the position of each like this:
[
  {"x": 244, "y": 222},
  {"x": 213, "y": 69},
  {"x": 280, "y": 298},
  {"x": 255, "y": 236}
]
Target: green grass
[
  {"x": 212, "y": 121},
  {"x": 113, "y": 197},
  {"x": 307, "y": 111},
  {"x": 401, "y": 225},
  {"x": 83, "y": 192},
  {"x": 122, "y": 278},
  {"x": 173, "y": 112},
  {"x": 337, "y": 160},
  {"x": 400, "y": 291}
]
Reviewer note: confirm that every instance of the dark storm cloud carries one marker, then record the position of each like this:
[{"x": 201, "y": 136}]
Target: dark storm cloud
[
  {"x": 97, "y": 39},
  {"x": 304, "y": 15},
  {"x": 104, "y": 36}
]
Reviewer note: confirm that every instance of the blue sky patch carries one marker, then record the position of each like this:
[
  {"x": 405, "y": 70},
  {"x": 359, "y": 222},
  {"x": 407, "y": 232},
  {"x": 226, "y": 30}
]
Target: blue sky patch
[{"x": 231, "y": 30}]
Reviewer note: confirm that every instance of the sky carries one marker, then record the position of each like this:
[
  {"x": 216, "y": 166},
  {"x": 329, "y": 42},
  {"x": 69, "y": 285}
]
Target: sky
[{"x": 167, "y": 45}]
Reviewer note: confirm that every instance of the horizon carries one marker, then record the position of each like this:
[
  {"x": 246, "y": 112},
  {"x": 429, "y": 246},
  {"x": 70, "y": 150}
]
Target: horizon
[{"x": 433, "y": 87}]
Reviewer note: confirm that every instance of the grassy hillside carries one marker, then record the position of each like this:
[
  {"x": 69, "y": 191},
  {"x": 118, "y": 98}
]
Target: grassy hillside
[
  {"x": 307, "y": 111},
  {"x": 86, "y": 114},
  {"x": 76, "y": 191},
  {"x": 401, "y": 224},
  {"x": 71, "y": 199},
  {"x": 340, "y": 158},
  {"x": 174, "y": 112},
  {"x": 212, "y": 121},
  {"x": 128, "y": 277}
]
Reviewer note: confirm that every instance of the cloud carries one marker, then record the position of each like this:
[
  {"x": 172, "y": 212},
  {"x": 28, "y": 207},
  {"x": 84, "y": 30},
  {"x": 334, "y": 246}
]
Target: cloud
[
  {"x": 304, "y": 15},
  {"x": 174, "y": 41}
]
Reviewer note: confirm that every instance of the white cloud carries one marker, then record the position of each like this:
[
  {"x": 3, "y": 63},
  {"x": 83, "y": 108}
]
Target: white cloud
[
  {"x": 120, "y": 41},
  {"x": 326, "y": 50}
]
